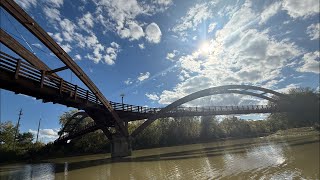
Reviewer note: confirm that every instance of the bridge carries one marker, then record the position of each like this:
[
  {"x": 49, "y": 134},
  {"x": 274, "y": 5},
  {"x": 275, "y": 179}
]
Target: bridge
[{"x": 26, "y": 74}]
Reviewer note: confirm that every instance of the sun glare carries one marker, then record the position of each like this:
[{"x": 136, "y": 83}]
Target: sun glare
[{"x": 205, "y": 47}]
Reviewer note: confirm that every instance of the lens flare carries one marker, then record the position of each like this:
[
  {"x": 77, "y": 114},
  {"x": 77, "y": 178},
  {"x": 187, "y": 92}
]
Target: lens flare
[{"x": 205, "y": 48}]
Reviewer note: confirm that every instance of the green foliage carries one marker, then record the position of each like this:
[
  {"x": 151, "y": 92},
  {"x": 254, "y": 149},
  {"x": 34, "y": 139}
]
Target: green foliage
[
  {"x": 66, "y": 116},
  {"x": 303, "y": 110},
  {"x": 7, "y": 131},
  {"x": 11, "y": 150}
]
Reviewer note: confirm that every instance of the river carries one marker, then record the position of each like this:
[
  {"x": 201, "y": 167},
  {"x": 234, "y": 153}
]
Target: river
[{"x": 252, "y": 158}]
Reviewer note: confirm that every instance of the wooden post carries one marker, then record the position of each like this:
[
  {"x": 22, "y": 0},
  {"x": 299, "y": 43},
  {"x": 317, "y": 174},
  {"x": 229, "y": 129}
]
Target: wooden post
[
  {"x": 75, "y": 92},
  {"x": 43, "y": 75},
  {"x": 16, "y": 75},
  {"x": 61, "y": 85},
  {"x": 87, "y": 96}
]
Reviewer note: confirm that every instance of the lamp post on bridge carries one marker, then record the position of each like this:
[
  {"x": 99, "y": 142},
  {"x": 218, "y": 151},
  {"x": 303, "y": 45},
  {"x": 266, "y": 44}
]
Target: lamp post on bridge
[
  {"x": 122, "y": 95},
  {"x": 125, "y": 122}
]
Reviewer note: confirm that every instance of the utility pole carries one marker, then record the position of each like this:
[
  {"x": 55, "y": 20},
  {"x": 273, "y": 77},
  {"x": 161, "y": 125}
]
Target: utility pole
[
  {"x": 17, "y": 129},
  {"x": 38, "y": 130}
]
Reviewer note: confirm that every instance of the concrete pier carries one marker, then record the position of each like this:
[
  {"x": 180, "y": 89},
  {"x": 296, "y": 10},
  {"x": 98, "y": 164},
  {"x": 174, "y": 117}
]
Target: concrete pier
[{"x": 120, "y": 146}]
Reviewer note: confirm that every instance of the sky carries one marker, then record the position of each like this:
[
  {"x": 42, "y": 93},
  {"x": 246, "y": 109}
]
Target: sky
[{"x": 156, "y": 52}]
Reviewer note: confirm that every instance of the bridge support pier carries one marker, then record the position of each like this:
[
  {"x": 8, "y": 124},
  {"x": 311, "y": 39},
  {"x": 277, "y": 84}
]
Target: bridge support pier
[{"x": 120, "y": 146}]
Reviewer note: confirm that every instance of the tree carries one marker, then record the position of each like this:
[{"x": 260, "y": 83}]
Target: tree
[
  {"x": 7, "y": 131},
  {"x": 303, "y": 109},
  {"x": 25, "y": 139},
  {"x": 63, "y": 119},
  {"x": 209, "y": 128}
]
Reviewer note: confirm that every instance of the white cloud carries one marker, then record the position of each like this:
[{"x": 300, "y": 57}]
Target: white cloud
[
  {"x": 141, "y": 46},
  {"x": 86, "y": 22},
  {"x": 287, "y": 88},
  {"x": 121, "y": 11},
  {"x": 269, "y": 12},
  {"x": 311, "y": 62},
  {"x": 195, "y": 15},
  {"x": 66, "y": 47},
  {"x": 136, "y": 31},
  {"x": 238, "y": 54},
  {"x": 52, "y": 14},
  {"x": 37, "y": 45},
  {"x": 190, "y": 63},
  {"x": 164, "y": 2},
  {"x": 211, "y": 27},
  {"x": 111, "y": 53},
  {"x": 152, "y": 97},
  {"x": 172, "y": 55},
  {"x": 121, "y": 14},
  {"x": 118, "y": 15},
  {"x": 128, "y": 81},
  {"x": 57, "y": 37},
  {"x": 77, "y": 57},
  {"x": 143, "y": 76},
  {"x": 26, "y": 4},
  {"x": 68, "y": 29},
  {"x": 55, "y": 3},
  {"x": 313, "y": 31},
  {"x": 153, "y": 33},
  {"x": 133, "y": 32},
  {"x": 298, "y": 8},
  {"x": 46, "y": 135}
]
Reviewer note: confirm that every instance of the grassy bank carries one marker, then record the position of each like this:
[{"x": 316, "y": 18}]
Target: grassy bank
[{"x": 304, "y": 131}]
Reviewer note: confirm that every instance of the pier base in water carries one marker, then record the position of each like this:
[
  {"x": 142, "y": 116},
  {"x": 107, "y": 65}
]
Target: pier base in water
[{"x": 120, "y": 147}]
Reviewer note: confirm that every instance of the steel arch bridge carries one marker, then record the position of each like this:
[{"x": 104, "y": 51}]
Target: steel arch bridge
[
  {"x": 176, "y": 110},
  {"x": 234, "y": 89}
]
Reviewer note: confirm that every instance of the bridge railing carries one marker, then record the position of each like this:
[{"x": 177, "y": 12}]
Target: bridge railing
[
  {"x": 223, "y": 108},
  {"x": 21, "y": 68}
]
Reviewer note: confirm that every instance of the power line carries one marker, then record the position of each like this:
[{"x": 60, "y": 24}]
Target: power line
[
  {"x": 16, "y": 36},
  {"x": 19, "y": 33}
]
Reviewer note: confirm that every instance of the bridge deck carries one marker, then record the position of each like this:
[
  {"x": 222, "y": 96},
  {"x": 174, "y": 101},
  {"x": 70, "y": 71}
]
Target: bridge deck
[{"x": 23, "y": 78}]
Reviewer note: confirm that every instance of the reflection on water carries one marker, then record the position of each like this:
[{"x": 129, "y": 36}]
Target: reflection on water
[
  {"x": 233, "y": 159},
  {"x": 28, "y": 171}
]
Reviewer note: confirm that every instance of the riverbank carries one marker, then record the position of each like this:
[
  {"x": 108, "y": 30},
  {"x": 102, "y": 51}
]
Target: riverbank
[{"x": 304, "y": 131}]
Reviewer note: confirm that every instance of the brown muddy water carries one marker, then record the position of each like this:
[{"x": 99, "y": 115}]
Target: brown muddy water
[{"x": 253, "y": 158}]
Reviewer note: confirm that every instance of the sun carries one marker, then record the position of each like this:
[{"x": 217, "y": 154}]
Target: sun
[{"x": 205, "y": 47}]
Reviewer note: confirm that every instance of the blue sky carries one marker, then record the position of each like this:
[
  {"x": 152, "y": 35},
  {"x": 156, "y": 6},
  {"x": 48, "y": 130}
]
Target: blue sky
[{"x": 158, "y": 51}]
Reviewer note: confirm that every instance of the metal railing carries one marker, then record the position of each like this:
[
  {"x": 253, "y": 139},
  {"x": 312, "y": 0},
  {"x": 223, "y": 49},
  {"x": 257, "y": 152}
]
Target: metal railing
[{"x": 223, "y": 108}]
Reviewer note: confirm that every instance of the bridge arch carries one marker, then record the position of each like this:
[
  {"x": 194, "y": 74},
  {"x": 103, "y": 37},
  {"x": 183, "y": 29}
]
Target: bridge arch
[
  {"x": 227, "y": 89},
  {"x": 71, "y": 124}
]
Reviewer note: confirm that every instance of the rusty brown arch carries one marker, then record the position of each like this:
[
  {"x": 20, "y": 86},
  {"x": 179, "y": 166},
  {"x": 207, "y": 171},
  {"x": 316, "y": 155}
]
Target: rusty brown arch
[
  {"x": 228, "y": 89},
  {"x": 82, "y": 115}
]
